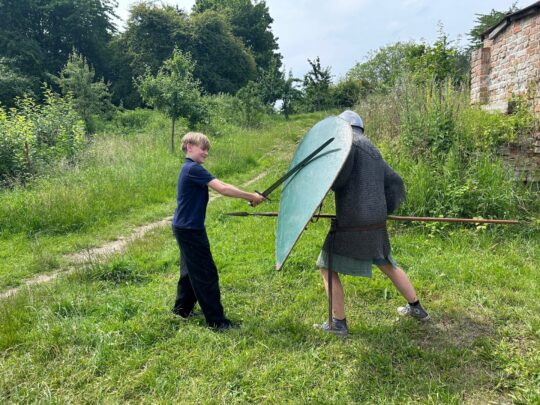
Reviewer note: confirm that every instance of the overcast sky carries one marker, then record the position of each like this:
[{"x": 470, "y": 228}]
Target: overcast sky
[{"x": 343, "y": 32}]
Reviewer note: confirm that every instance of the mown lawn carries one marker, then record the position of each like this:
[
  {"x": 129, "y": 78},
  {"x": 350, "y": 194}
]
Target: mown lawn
[{"x": 105, "y": 333}]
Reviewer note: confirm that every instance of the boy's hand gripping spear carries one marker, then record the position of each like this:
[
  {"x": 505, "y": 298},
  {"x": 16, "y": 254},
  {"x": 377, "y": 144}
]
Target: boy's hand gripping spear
[{"x": 303, "y": 163}]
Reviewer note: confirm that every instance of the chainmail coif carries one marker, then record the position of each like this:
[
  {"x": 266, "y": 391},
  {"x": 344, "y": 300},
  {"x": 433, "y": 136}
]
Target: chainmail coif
[{"x": 366, "y": 191}]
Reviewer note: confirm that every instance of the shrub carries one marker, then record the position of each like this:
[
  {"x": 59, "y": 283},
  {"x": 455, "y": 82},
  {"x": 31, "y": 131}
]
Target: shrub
[
  {"x": 446, "y": 151},
  {"x": 250, "y": 105},
  {"x": 32, "y": 136}
]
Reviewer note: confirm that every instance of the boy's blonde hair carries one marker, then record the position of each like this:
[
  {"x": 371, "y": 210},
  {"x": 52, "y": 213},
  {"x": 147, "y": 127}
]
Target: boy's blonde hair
[{"x": 195, "y": 138}]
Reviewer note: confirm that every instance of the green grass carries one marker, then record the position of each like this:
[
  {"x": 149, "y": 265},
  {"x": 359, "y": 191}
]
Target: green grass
[
  {"x": 122, "y": 181},
  {"x": 105, "y": 334}
]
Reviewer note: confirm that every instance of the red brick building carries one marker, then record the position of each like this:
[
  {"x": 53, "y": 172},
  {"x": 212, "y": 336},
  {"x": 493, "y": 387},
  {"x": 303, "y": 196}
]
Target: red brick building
[{"x": 508, "y": 62}]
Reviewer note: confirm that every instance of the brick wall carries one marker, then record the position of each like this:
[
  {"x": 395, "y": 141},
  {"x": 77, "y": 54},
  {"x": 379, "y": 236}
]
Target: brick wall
[{"x": 508, "y": 64}]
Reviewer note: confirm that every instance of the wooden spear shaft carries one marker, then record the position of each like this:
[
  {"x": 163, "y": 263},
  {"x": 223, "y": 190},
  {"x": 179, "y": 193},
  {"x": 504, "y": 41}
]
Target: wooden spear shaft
[{"x": 394, "y": 218}]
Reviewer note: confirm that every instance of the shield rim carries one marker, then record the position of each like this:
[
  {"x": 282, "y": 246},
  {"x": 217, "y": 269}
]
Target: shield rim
[{"x": 279, "y": 266}]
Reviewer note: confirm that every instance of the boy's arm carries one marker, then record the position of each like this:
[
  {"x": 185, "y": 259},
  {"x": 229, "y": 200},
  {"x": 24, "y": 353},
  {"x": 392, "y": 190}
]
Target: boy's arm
[{"x": 231, "y": 191}]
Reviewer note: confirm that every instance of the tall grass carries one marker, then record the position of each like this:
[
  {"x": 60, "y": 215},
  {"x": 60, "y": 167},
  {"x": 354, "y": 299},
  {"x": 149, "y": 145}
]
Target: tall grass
[
  {"x": 127, "y": 176},
  {"x": 446, "y": 152},
  {"x": 115, "y": 175},
  {"x": 119, "y": 173}
]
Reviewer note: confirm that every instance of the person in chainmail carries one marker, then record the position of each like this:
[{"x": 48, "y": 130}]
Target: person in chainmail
[{"x": 366, "y": 190}]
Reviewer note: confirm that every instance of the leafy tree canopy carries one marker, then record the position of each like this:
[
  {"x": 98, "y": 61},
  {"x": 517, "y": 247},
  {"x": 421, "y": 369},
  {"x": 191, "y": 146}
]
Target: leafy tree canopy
[
  {"x": 251, "y": 22},
  {"x": 13, "y": 83},
  {"x": 90, "y": 97},
  {"x": 317, "y": 86},
  {"x": 485, "y": 21},
  {"x": 422, "y": 61},
  {"x": 152, "y": 34},
  {"x": 384, "y": 66},
  {"x": 40, "y": 34},
  {"x": 174, "y": 90},
  {"x": 291, "y": 95},
  {"x": 223, "y": 62}
]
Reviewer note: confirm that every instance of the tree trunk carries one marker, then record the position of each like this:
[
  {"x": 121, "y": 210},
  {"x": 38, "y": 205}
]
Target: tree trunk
[
  {"x": 27, "y": 157},
  {"x": 172, "y": 135}
]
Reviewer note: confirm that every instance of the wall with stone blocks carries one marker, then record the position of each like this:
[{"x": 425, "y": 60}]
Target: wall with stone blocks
[{"x": 508, "y": 64}]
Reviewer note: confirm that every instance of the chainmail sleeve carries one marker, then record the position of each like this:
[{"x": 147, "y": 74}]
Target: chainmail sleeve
[
  {"x": 394, "y": 189},
  {"x": 345, "y": 172}
]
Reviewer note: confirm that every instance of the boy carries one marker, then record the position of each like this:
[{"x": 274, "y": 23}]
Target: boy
[
  {"x": 198, "y": 273},
  {"x": 366, "y": 191}
]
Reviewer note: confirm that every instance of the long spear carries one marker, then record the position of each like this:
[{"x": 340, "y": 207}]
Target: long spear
[{"x": 392, "y": 217}]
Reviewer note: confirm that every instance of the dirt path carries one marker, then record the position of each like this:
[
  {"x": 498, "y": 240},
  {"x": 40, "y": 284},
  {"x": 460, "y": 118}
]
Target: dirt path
[{"x": 104, "y": 251}]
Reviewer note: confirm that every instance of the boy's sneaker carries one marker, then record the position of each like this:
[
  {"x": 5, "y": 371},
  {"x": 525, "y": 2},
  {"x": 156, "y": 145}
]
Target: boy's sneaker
[
  {"x": 339, "y": 327},
  {"x": 182, "y": 314},
  {"x": 222, "y": 326},
  {"x": 416, "y": 311}
]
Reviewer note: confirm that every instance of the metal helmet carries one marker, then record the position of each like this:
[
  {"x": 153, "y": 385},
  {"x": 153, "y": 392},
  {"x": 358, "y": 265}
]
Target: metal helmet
[{"x": 352, "y": 118}]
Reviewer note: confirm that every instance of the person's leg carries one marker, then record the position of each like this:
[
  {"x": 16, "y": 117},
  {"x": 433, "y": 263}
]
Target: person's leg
[
  {"x": 338, "y": 296},
  {"x": 185, "y": 296},
  {"x": 404, "y": 286},
  {"x": 203, "y": 275},
  {"x": 400, "y": 280}
]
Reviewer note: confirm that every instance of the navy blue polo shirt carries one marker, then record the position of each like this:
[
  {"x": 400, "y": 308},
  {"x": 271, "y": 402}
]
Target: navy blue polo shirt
[{"x": 191, "y": 196}]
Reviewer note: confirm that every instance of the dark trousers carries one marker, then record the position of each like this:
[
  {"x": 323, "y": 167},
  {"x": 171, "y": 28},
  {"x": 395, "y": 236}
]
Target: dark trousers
[{"x": 199, "y": 279}]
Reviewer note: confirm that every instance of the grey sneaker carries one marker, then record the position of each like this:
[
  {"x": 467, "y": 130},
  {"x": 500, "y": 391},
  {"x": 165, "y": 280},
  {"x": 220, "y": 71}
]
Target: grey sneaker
[
  {"x": 415, "y": 311},
  {"x": 339, "y": 327}
]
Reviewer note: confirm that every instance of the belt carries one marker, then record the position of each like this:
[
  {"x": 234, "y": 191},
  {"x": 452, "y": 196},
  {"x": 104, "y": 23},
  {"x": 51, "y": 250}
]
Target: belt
[{"x": 336, "y": 228}]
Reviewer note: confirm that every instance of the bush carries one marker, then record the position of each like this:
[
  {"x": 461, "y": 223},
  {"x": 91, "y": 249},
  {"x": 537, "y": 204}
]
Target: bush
[
  {"x": 429, "y": 119},
  {"x": 446, "y": 151},
  {"x": 454, "y": 187},
  {"x": 223, "y": 114},
  {"x": 32, "y": 136},
  {"x": 250, "y": 105}
]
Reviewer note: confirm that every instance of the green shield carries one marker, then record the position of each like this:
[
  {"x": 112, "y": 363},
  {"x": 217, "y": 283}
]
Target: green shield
[{"x": 305, "y": 190}]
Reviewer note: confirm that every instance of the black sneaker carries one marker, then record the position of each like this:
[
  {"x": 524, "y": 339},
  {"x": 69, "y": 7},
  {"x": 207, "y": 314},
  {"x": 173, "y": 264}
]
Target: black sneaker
[
  {"x": 339, "y": 327},
  {"x": 185, "y": 315},
  {"x": 416, "y": 311},
  {"x": 223, "y": 325}
]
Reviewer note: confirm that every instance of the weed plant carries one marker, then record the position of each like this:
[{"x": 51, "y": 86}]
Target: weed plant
[
  {"x": 33, "y": 136},
  {"x": 446, "y": 152}
]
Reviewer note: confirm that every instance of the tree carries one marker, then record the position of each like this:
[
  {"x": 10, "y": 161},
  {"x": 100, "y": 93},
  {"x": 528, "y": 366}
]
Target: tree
[
  {"x": 123, "y": 90},
  {"x": 438, "y": 62},
  {"x": 421, "y": 61},
  {"x": 40, "y": 34},
  {"x": 150, "y": 37},
  {"x": 13, "y": 83},
  {"x": 383, "y": 67},
  {"x": 317, "y": 86},
  {"x": 89, "y": 96},
  {"x": 224, "y": 65},
  {"x": 251, "y": 22},
  {"x": 348, "y": 92},
  {"x": 290, "y": 95},
  {"x": 485, "y": 21},
  {"x": 251, "y": 105},
  {"x": 152, "y": 34},
  {"x": 174, "y": 90},
  {"x": 271, "y": 82}
]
